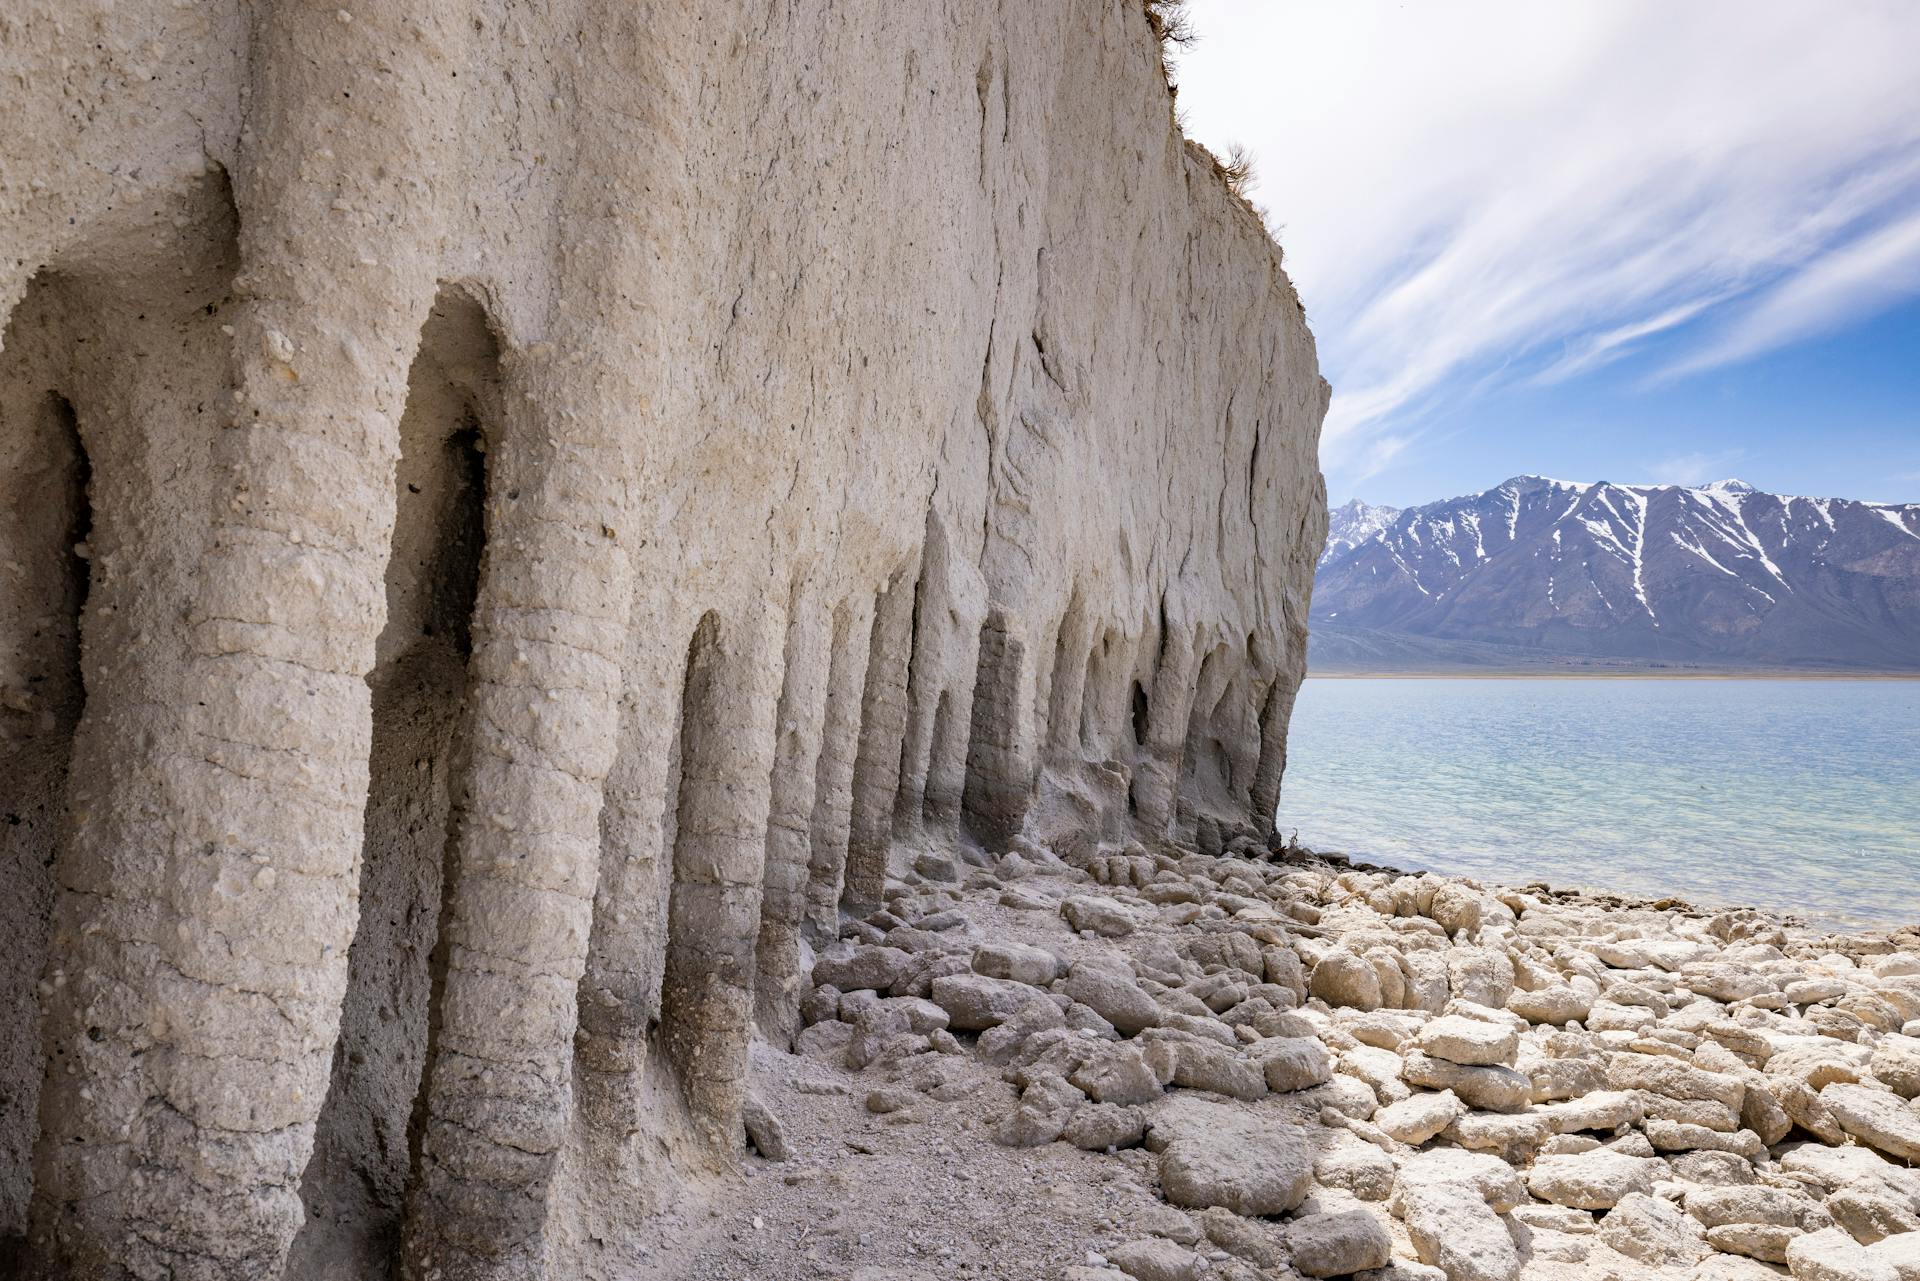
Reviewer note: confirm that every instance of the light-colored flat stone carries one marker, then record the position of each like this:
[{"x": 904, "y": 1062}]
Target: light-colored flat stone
[
  {"x": 1468, "y": 1042},
  {"x": 1654, "y": 1231},
  {"x": 1596, "y": 1180},
  {"x": 1338, "y": 1244},
  {"x": 1224, "y": 1156},
  {"x": 1454, "y": 1229},
  {"x": 1832, "y": 1255},
  {"x": 1421, "y": 1116},
  {"x": 1016, "y": 961},
  {"x": 1878, "y": 1119},
  {"x": 1097, "y": 914},
  {"x": 1496, "y": 1089}
]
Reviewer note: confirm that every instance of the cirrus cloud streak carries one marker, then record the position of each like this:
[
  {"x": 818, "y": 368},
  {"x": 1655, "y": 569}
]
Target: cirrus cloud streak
[{"x": 1501, "y": 190}]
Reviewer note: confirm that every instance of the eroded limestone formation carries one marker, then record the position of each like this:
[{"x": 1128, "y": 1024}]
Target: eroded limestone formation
[{"x": 513, "y": 515}]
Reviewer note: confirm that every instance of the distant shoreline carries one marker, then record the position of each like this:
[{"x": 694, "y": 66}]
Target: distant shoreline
[{"x": 1471, "y": 673}]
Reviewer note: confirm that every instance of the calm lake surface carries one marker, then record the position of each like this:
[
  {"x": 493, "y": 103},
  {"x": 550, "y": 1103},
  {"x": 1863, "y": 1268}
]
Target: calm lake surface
[{"x": 1796, "y": 796}]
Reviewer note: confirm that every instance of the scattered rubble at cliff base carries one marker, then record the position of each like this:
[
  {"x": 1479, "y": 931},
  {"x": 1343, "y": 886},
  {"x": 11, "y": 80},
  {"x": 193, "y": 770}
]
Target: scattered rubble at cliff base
[{"x": 1273, "y": 1065}]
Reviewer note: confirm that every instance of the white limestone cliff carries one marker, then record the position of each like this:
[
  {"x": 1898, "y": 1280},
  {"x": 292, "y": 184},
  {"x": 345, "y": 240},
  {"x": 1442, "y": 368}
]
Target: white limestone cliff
[{"x": 513, "y": 514}]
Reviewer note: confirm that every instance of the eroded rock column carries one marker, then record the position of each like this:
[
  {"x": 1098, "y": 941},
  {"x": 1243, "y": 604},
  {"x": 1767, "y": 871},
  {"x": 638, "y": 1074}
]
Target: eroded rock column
[
  {"x": 1000, "y": 767},
  {"x": 619, "y": 998},
  {"x": 1067, "y": 683},
  {"x": 832, "y": 821},
  {"x": 140, "y": 417},
  {"x": 883, "y": 726},
  {"x": 797, "y": 752},
  {"x": 355, "y": 1185},
  {"x": 720, "y": 847},
  {"x": 550, "y": 667},
  {"x": 545, "y": 681},
  {"x": 1275, "y": 713},
  {"x": 336, "y": 196}
]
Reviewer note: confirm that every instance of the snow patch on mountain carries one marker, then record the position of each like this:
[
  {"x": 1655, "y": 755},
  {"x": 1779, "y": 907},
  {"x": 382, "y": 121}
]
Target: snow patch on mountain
[
  {"x": 1636, "y": 572},
  {"x": 1353, "y": 523}
]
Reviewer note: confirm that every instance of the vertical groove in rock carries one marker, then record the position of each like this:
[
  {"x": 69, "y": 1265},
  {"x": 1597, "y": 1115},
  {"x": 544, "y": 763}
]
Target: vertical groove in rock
[
  {"x": 619, "y": 994},
  {"x": 45, "y": 523},
  {"x": 797, "y": 753},
  {"x": 883, "y": 726},
  {"x": 943, "y": 799},
  {"x": 831, "y": 825},
  {"x": 949, "y": 599},
  {"x": 1168, "y": 701},
  {"x": 1199, "y": 768},
  {"x": 1067, "y": 680},
  {"x": 1099, "y": 696},
  {"x": 1275, "y": 710}
]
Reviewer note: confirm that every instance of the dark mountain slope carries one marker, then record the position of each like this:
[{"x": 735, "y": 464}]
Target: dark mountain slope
[{"x": 1721, "y": 574}]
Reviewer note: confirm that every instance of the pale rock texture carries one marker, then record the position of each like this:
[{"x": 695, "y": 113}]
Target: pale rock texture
[
  {"x": 1213, "y": 1156},
  {"x": 1468, "y": 1042},
  {"x": 1646, "y": 1228},
  {"x": 1591, "y": 1180},
  {"x": 1338, "y": 1244},
  {"x": 1876, "y": 1119},
  {"x": 513, "y": 515}
]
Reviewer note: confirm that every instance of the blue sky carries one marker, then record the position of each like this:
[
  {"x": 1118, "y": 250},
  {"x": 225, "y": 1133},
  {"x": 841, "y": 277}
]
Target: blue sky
[{"x": 1598, "y": 239}]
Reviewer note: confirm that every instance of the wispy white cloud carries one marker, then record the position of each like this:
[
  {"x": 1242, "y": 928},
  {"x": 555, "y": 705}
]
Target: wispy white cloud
[
  {"x": 1587, "y": 352},
  {"x": 1541, "y": 190},
  {"x": 1377, "y": 455},
  {"x": 1865, "y": 275},
  {"x": 1696, "y": 468}
]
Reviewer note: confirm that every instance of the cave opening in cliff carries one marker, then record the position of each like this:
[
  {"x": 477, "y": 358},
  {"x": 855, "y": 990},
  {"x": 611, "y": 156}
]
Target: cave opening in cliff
[
  {"x": 1206, "y": 765},
  {"x": 46, "y": 522},
  {"x": 1094, "y": 696},
  {"x": 937, "y": 805},
  {"x": 79, "y": 503},
  {"x": 369, "y": 1131},
  {"x": 46, "y": 517},
  {"x": 1063, "y": 678},
  {"x": 67, "y": 505}
]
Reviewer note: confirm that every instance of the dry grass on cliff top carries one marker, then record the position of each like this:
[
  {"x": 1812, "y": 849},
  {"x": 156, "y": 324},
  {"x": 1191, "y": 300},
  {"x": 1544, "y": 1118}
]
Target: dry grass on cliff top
[
  {"x": 1173, "y": 28},
  {"x": 1169, "y": 21}
]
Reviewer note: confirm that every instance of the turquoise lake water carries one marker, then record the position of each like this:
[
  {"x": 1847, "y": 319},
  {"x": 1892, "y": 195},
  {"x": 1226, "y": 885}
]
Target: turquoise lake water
[{"x": 1796, "y": 796}]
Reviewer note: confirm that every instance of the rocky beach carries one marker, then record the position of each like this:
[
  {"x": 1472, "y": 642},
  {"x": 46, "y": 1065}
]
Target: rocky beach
[{"x": 1102, "y": 1062}]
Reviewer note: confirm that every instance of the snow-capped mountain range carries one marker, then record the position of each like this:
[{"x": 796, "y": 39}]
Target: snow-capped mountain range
[
  {"x": 1719, "y": 574},
  {"x": 1353, "y": 523}
]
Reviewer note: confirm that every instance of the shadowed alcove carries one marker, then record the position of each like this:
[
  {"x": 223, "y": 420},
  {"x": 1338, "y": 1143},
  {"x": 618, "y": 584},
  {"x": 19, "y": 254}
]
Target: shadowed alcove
[{"x": 45, "y": 518}]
